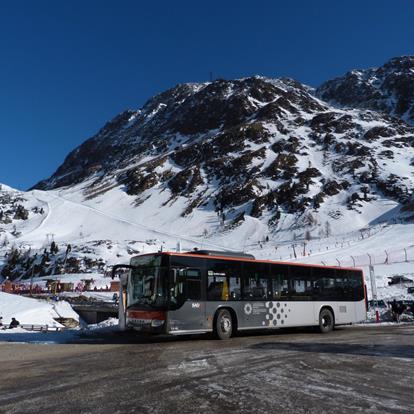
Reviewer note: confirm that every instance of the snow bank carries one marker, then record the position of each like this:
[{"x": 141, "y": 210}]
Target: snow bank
[
  {"x": 33, "y": 311},
  {"x": 110, "y": 324}
]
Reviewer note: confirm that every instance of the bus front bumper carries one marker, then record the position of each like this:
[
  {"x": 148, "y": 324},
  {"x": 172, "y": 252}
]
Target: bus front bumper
[{"x": 146, "y": 321}]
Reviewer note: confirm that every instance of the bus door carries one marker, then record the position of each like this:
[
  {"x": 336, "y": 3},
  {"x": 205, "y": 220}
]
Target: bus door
[{"x": 187, "y": 310}]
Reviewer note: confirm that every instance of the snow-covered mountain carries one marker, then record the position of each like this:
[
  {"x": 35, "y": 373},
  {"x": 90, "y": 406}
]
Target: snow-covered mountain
[
  {"x": 254, "y": 146},
  {"x": 252, "y": 164},
  {"x": 389, "y": 88}
]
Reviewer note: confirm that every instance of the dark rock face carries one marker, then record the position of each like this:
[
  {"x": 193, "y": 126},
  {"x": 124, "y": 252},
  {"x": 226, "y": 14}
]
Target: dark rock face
[
  {"x": 389, "y": 88},
  {"x": 247, "y": 146}
]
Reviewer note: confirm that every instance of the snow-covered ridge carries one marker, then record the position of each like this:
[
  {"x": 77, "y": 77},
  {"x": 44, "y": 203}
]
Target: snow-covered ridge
[{"x": 388, "y": 88}]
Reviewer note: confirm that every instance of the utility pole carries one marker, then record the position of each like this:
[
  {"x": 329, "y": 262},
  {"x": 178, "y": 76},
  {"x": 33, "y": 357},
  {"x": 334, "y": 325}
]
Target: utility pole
[{"x": 374, "y": 291}]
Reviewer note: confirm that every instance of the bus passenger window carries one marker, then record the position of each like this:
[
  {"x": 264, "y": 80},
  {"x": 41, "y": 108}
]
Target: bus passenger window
[
  {"x": 193, "y": 281},
  {"x": 276, "y": 289},
  {"x": 234, "y": 288},
  {"x": 255, "y": 289},
  {"x": 298, "y": 286},
  {"x": 223, "y": 280},
  {"x": 217, "y": 288},
  {"x": 284, "y": 289},
  {"x": 187, "y": 286}
]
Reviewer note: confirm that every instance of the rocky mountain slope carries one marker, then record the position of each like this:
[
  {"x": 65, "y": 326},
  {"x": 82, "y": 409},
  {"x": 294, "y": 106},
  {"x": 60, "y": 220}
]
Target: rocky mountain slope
[
  {"x": 389, "y": 88},
  {"x": 255, "y": 146}
]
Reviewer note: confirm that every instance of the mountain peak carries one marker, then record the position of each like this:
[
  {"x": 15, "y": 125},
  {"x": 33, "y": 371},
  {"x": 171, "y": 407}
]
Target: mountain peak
[
  {"x": 388, "y": 88},
  {"x": 254, "y": 146}
]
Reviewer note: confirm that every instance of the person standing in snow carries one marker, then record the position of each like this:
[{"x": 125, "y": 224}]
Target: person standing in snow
[
  {"x": 394, "y": 310},
  {"x": 400, "y": 310},
  {"x": 14, "y": 323}
]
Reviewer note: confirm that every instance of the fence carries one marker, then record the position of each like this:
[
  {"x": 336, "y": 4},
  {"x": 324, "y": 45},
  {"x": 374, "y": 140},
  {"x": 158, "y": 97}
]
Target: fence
[{"x": 379, "y": 258}]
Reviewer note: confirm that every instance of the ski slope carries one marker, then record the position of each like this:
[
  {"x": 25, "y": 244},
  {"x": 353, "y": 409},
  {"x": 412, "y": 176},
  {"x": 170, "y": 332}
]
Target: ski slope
[{"x": 111, "y": 223}]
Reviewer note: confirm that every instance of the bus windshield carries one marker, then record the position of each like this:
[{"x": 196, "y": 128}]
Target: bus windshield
[{"x": 147, "y": 282}]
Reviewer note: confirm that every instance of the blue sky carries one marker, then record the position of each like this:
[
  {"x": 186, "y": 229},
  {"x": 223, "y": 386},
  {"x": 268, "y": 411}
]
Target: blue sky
[{"x": 67, "y": 67}]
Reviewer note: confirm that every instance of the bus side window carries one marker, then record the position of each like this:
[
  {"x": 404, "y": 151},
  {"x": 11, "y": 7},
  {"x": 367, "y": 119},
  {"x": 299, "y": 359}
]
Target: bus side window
[
  {"x": 193, "y": 283},
  {"x": 255, "y": 288},
  {"x": 223, "y": 280},
  {"x": 255, "y": 281},
  {"x": 216, "y": 288},
  {"x": 357, "y": 285},
  {"x": 234, "y": 288},
  {"x": 187, "y": 286},
  {"x": 223, "y": 288},
  {"x": 300, "y": 283},
  {"x": 284, "y": 289},
  {"x": 279, "y": 285},
  {"x": 276, "y": 287}
]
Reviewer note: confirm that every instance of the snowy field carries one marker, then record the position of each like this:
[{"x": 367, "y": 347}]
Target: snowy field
[{"x": 34, "y": 311}]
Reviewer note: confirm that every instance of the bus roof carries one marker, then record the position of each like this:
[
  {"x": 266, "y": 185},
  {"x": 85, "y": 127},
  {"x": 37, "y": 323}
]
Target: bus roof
[{"x": 246, "y": 259}]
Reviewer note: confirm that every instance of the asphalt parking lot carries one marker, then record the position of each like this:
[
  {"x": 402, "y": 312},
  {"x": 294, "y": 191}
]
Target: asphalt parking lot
[{"x": 353, "y": 369}]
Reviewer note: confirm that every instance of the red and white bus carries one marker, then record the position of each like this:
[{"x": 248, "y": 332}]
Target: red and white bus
[{"x": 221, "y": 292}]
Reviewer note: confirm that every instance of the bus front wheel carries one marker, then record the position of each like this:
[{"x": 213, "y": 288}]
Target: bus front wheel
[
  {"x": 326, "y": 321},
  {"x": 223, "y": 327}
]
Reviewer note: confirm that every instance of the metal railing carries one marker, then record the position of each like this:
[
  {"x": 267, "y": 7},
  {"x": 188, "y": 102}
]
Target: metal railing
[{"x": 374, "y": 258}]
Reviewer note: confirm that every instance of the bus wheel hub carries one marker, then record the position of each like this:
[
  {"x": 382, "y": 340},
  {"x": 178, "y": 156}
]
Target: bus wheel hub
[{"x": 225, "y": 324}]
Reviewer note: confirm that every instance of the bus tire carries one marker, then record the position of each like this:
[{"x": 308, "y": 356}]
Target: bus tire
[
  {"x": 326, "y": 320},
  {"x": 223, "y": 326}
]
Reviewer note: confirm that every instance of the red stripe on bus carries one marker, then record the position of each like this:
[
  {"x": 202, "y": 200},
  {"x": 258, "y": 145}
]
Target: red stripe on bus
[{"x": 141, "y": 314}]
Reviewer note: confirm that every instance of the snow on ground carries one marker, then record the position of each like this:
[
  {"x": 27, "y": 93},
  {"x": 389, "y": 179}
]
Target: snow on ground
[
  {"x": 30, "y": 311},
  {"x": 109, "y": 324}
]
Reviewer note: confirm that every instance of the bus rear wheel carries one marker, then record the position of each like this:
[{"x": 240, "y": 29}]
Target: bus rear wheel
[
  {"x": 326, "y": 321},
  {"x": 223, "y": 327}
]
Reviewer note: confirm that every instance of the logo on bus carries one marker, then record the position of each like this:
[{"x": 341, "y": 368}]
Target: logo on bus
[
  {"x": 248, "y": 308},
  {"x": 195, "y": 305}
]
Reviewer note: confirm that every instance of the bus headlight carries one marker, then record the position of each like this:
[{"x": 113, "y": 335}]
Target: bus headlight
[{"x": 155, "y": 323}]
